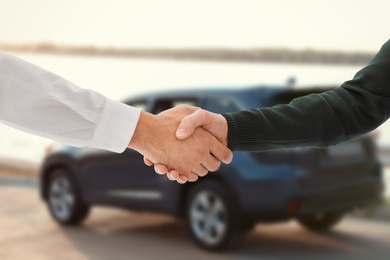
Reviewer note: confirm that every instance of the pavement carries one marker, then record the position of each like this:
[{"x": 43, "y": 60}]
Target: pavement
[{"x": 27, "y": 232}]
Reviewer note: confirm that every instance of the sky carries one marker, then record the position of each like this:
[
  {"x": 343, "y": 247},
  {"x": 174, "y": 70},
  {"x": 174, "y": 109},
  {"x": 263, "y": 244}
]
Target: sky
[{"x": 351, "y": 25}]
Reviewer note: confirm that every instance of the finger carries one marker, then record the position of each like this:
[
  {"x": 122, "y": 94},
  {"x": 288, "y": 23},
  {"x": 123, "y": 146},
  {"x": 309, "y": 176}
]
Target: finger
[
  {"x": 173, "y": 175},
  {"x": 182, "y": 179},
  {"x": 160, "y": 169},
  {"x": 211, "y": 163},
  {"x": 221, "y": 152},
  {"x": 187, "y": 126},
  {"x": 148, "y": 162},
  {"x": 192, "y": 177},
  {"x": 169, "y": 177},
  {"x": 198, "y": 171}
]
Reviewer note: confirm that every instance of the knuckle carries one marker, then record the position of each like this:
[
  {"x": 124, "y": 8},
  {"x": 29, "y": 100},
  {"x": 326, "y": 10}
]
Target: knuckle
[
  {"x": 199, "y": 155},
  {"x": 182, "y": 106}
]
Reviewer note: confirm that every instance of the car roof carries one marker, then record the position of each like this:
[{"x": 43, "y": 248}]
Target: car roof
[{"x": 252, "y": 91}]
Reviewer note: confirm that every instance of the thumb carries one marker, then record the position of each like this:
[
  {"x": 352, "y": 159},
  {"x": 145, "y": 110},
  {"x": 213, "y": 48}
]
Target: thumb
[{"x": 189, "y": 123}]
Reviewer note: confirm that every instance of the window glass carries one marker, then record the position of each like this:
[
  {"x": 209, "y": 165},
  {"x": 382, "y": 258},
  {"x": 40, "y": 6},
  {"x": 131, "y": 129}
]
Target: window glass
[
  {"x": 164, "y": 104},
  {"x": 221, "y": 105}
]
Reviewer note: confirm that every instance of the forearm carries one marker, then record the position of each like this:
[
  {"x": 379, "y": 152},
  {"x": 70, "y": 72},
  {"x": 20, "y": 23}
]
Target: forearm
[
  {"x": 307, "y": 121},
  {"x": 37, "y": 101},
  {"x": 320, "y": 120}
]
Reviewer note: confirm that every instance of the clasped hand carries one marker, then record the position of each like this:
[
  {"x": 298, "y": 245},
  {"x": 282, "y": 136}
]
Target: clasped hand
[{"x": 183, "y": 142}]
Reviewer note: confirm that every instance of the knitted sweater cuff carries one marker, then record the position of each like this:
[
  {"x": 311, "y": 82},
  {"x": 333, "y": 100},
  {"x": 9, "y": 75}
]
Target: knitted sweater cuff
[{"x": 241, "y": 130}]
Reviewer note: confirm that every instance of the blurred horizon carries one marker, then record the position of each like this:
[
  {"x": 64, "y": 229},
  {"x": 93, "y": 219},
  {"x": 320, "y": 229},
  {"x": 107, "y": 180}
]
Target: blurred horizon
[{"x": 221, "y": 54}]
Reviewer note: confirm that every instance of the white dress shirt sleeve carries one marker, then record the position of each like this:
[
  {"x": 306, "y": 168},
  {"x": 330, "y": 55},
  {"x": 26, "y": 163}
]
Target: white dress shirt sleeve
[{"x": 39, "y": 102}]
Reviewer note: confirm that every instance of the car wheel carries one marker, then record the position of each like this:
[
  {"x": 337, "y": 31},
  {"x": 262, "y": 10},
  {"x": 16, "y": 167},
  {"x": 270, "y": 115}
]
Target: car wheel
[
  {"x": 320, "y": 222},
  {"x": 211, "y": 217},
  {"x": 64, "y": 201}
]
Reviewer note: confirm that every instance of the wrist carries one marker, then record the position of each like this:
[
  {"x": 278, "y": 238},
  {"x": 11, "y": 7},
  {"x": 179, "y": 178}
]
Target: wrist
[
  {"x": 150, "y": 137},
  {"x": 144, "y": 125},
  {"x": 223, "y": 129}
]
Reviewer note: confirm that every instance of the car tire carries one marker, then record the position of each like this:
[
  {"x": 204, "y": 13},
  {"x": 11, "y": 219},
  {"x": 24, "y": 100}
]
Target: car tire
[
  {"x": 320, "y": 222},
  {"x": 63, "y": 199},
  {"x": 212, "y": 218}
]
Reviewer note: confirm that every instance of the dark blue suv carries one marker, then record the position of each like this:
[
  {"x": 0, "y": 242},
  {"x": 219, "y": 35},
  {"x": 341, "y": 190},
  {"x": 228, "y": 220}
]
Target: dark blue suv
[{"x": 315, "y": 186}]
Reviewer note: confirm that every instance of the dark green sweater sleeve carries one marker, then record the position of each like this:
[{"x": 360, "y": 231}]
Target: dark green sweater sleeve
[{"x": 318, "y": 120}]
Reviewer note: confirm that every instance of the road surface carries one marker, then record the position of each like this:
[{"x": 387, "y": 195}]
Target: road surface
[{"x": 27, "y": 232}]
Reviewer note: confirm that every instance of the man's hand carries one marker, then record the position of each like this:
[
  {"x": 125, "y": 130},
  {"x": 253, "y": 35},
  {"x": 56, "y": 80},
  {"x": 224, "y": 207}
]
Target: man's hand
[
  {"x": 213, "y": 123},
  {"x": 199, "y": 153}
]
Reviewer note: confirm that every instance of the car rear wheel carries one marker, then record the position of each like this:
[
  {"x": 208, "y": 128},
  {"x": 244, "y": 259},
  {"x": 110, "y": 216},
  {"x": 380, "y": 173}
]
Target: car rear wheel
[
  {"x": 64, "y": 201},
  {"x": 211, "y": 217},
  {"x": 320, "y": 222}
]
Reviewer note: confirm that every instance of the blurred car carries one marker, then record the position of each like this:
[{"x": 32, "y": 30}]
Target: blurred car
[{"x": 315, "y": 186}]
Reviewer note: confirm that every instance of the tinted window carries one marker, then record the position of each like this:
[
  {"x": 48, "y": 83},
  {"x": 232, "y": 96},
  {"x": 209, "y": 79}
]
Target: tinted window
[
  {"x": 164, "y": 104},
  {"x": 221, "y": 105}
]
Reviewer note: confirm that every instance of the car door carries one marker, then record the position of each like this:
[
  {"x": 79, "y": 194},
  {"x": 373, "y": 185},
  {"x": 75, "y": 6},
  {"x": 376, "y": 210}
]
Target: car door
[{"x": 119, "y": 179}]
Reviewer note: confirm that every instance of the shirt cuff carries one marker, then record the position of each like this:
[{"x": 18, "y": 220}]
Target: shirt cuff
[{"x": 116, "y": 127}]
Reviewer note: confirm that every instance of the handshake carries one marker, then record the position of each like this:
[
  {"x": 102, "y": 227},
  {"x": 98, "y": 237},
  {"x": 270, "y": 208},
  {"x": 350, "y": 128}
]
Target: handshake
[{"x": 183, "y": 142}]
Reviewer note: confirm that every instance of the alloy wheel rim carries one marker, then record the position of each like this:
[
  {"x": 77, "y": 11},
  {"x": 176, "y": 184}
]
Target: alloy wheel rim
[
  {"x": 208, "y": 218},
  {"x": 61, "y": 198}
]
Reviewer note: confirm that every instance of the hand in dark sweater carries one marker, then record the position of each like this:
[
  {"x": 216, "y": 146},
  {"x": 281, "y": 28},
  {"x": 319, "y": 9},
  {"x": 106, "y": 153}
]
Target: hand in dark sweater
[{"x": 319, "y": 120}]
